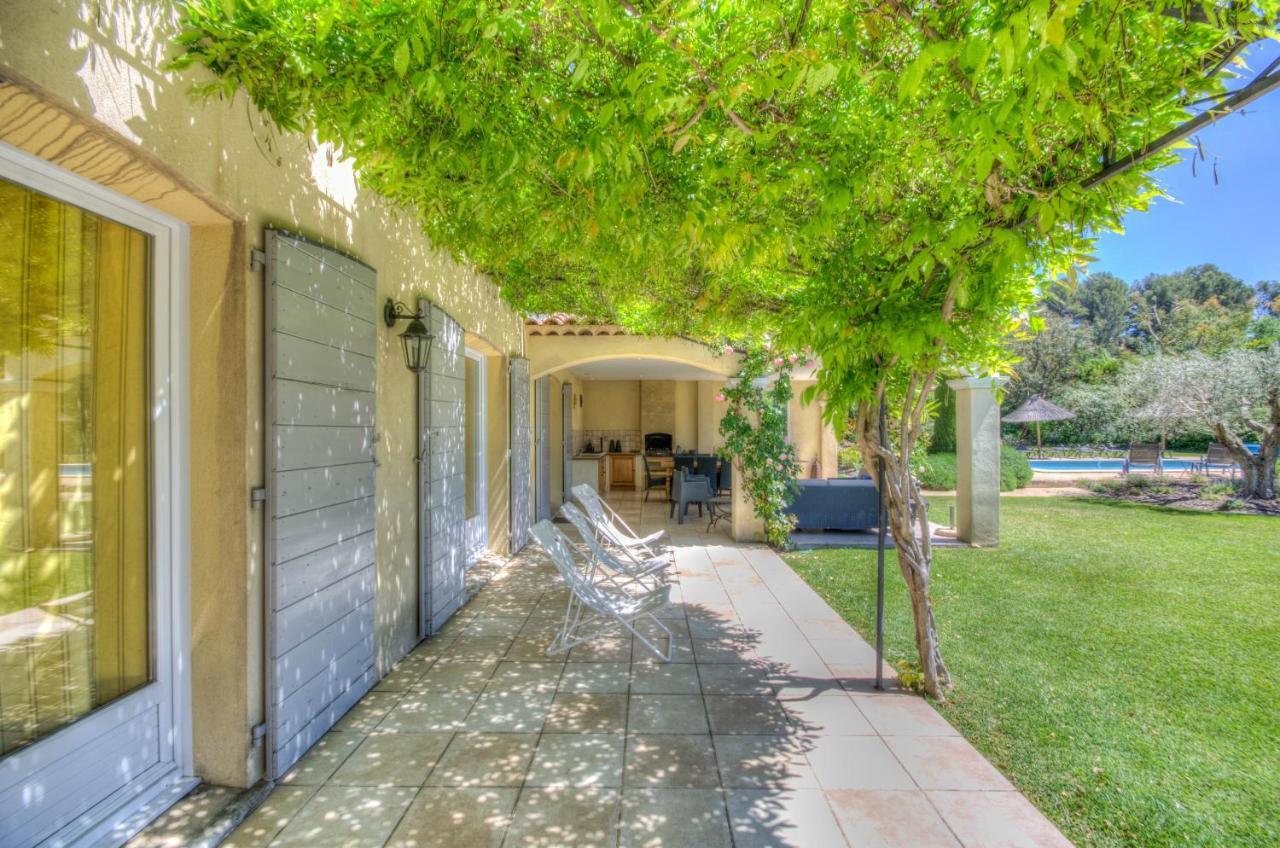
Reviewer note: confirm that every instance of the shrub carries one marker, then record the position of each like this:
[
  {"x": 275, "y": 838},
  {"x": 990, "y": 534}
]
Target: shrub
[
  {"x": 938, "y": 470},
  {"x": 850, "y": 461},
  {"x": 1015, "y": 469}
]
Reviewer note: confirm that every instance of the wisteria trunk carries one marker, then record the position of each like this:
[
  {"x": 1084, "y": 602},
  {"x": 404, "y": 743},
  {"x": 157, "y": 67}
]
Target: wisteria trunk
[{"x": 907, "y": 518}]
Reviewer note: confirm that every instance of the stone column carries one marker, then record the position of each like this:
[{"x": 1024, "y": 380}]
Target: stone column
[
  {"x": 747, "y": 526},
  {"x": 977, "y": 459}
]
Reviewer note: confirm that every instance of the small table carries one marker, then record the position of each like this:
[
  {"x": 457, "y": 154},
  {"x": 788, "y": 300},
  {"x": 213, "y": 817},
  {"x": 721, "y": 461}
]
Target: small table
[{"x": 719, "y": 508}]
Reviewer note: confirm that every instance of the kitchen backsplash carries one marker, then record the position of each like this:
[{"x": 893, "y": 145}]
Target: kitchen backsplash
[{"x": 630, "y": 440}]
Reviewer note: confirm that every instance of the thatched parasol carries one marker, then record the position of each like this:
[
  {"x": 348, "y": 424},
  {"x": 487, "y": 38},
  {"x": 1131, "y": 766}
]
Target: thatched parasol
[{"x": 1036, "y": 410}]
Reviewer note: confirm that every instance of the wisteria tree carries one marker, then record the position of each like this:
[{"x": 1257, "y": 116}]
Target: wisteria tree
[{"x": 885, "y": 180}]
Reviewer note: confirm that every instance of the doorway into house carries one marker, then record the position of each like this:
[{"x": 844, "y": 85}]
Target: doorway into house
[
  {"x": 93, "y": 716},
  {"x": 477, "y": 476}
]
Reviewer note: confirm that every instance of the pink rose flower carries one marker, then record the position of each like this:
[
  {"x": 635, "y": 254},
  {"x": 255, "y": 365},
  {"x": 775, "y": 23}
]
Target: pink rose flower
[
  {"x": 728, "y": 349},
  {"x": 720, "y": 397},
  {"x": 793, "y": 357},
  {"x": 777, "y": 360}
]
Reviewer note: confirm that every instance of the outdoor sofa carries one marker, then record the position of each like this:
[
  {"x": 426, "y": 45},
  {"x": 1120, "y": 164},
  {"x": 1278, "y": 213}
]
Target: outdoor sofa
[{"x": 836, "y": 503}]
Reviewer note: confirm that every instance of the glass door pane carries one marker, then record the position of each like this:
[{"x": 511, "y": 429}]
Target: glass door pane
[{"x": 74, "y": 464}]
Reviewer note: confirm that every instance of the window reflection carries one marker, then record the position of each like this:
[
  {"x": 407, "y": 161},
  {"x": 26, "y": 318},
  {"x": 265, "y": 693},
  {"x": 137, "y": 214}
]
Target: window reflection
[{"x": 74, "y": 614}]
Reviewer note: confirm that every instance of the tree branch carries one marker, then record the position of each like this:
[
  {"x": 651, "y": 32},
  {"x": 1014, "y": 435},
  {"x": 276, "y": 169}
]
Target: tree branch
[
  {"x": 1261, "y": 85},
  {"x": 804, "y": 16}
]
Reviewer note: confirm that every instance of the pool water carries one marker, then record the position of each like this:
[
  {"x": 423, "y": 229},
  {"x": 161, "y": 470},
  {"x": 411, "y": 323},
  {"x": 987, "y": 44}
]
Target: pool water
[{"x": 1104, "y": 465}]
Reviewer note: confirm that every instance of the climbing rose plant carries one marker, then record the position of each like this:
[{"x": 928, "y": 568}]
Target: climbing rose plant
[
  {"x": 889, "y": 181},
  {"x": 755, "y": 435}
]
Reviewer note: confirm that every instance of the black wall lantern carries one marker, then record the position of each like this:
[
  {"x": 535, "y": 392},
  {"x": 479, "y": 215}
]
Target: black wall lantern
[{"x": 416, "y": 338}]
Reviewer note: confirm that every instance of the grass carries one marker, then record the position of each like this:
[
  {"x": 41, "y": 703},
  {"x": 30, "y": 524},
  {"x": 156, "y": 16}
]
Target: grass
[{"x": 1119, "y": 663}]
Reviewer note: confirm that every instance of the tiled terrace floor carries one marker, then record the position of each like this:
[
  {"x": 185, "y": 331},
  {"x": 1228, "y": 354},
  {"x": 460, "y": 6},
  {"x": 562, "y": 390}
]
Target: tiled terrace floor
[{"x": 765, "y": 730}]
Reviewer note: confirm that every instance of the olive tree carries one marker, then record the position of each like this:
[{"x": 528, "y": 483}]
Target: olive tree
[{"x": 1234, "y": 393}]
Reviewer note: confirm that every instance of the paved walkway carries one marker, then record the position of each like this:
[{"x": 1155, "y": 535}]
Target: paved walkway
[{"x": 764, "y": 731}]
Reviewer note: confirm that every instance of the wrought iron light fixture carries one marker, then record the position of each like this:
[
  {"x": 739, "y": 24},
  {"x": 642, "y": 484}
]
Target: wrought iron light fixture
[{"x": 416, "y": 339}]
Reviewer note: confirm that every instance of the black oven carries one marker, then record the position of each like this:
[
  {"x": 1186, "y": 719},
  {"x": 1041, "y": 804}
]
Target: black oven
[{"x": 657, "y": 444}]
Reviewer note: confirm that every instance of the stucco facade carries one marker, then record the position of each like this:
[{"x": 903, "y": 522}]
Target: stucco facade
[{"x": 83, "y": 87}]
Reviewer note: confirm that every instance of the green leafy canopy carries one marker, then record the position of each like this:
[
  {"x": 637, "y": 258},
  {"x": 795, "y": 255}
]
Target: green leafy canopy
[{"x": 886, "y": 181}]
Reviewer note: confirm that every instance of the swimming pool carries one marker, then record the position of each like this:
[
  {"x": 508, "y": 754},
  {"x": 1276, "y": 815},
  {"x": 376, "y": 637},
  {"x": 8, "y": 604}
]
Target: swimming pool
[{"x": 1058, "y": 465}]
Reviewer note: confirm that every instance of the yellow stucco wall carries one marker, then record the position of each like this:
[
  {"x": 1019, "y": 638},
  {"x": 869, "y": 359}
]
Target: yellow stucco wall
[
  {"x": 611, "y": 405},
  {"x": 104, "y": 108},
  {"x": 685, "y": 432}
]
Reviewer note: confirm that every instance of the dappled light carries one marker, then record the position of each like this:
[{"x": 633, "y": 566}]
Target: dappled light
[{"x": 764, "y": 729}]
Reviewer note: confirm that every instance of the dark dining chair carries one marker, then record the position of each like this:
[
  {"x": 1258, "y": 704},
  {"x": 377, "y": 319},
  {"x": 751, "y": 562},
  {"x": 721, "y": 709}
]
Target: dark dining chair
[
  {"x": 706, "y": 465},
  {"x": 654, "y": 478},
  {"x": 688, "y": 489}
]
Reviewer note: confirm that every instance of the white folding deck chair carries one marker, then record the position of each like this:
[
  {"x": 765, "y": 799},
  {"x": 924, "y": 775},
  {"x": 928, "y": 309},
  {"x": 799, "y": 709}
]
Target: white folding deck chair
[
  {"x": 646, "y": 568},
  {"x": 611, "y": 526},
  {"x": 607, "y": 601}
]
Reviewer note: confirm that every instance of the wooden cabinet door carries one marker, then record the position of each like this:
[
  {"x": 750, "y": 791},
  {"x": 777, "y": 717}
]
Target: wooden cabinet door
[{"x": 624, "y": 472}]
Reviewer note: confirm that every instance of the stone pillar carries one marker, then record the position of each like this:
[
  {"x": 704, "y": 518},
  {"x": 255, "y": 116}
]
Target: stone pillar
[
  {"x": 746, "y": 525},
  {"x": 977, "y": 459}
]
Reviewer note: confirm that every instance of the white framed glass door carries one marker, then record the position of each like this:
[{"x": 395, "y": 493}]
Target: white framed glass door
[
  {"x": 477, "y": 472},
  {"x": 94, "y": 703}
]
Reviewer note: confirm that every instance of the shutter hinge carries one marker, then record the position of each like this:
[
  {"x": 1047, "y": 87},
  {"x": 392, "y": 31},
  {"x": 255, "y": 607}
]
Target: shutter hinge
[
  {"x": 257, "y": 734},
  {"x": 257, "y": 496},
  {"x": 257, "y": 259}
]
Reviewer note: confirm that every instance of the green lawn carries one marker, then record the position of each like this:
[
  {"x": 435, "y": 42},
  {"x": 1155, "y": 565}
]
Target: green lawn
[{"x": 1121, "y": 664}]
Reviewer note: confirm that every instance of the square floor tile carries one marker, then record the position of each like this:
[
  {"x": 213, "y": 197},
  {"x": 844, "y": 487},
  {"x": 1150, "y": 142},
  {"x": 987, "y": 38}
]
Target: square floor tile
[
  {"x": 319, "y": 764},
  {"x": 270, "y": 818},
  {"x": 485, "y": 759},
  {"x": 401, "y": 678},
  {"x": 448, "y": 817},
  {"x": 603, "y": 650},
  {"x": 794, "y": 818},
  {"x": 509, "y": 712},
  {"x": 350, "y": 817},
  {"x": 665, "y": 679},
  {"x": 587, "y": 712},
  {"x": 525, "y": 676},
  {"x": 672, "y": 760},
  {"x": 722, "y": 651},
  {"x": 857, "y": 762},
  {"x": 667, "y": 714},
  {"x": 426, "y": 712},
  {"x": 996, "y": 820},
  {"x": 945, "y": 762},
  {"x": 823, "y": 712},
  {"x": 455, "y": 676},
  {"x": 556, "y": 817},
  {"x": 392, "y": 759},
  {"x": 764, "y": 762},
  {"x": 577, "y": 759},
  {"x": 478, "y": 648},
  {"x": 533, "y": 648},
  {"x": 902, "y": 714},
  {"x": 734, "y": 679},
  {"x": 368, "y": 712},
  {"x": 889, "y": 819},
  {"x": 596, "y": 677},
  {"x": 667, "y": 818},
  {"x": 754, "y": 714}
]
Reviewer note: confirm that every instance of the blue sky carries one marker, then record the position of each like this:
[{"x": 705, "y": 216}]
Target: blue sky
[{"x": 1234, "y": 224}]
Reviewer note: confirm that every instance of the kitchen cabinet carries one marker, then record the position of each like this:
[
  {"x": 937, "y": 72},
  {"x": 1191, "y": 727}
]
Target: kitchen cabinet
[{"x": 622, "y": 470}]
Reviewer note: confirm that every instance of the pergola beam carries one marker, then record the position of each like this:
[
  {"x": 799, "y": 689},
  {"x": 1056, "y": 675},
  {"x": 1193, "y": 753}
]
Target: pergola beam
[{"x": 1263, "y": 84}]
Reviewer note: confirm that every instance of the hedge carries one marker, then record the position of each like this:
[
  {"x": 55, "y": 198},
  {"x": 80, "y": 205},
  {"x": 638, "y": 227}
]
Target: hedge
[{"x": 938, "y": 470}]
